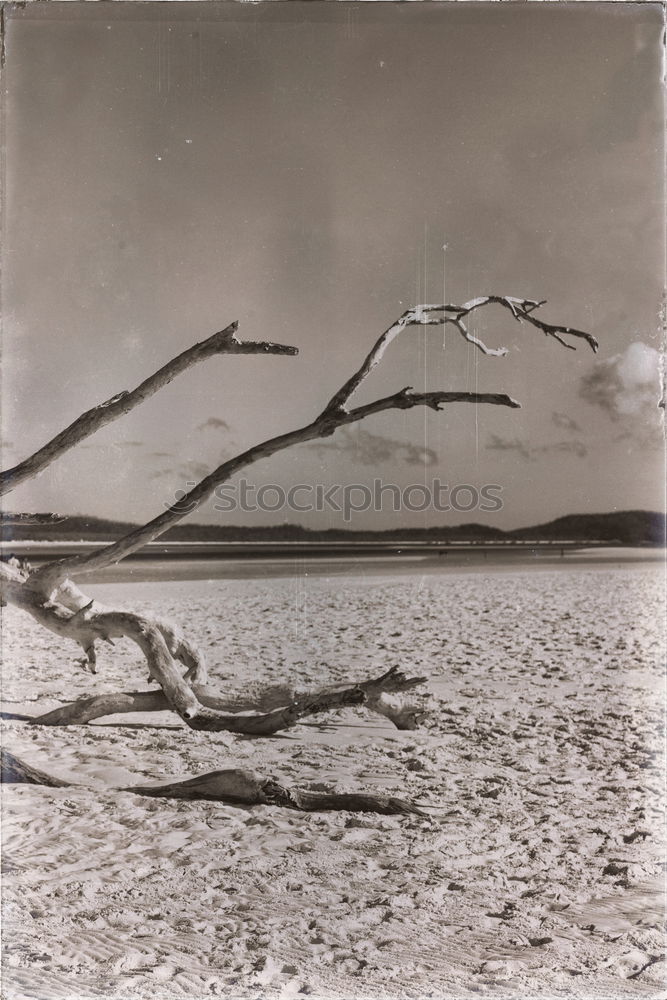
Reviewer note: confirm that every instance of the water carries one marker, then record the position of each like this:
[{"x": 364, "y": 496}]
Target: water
[{"x": 165, "y": 569}]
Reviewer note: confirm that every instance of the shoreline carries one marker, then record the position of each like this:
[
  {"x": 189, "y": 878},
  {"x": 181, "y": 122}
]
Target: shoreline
[{"x": 153, "y": 567}]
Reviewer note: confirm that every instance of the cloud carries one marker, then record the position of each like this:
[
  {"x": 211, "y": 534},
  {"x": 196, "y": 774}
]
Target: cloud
[
  {"x": 117, "y": 445},
  {"x": 188, "y": 472},
  {"x": 496, "y": 443},
  {"x": 627, "y": 386},
  {"x": 371, "y": 449},
  {"x": 577, "y": 448},
  {"x": 191, "y": 470},
  {"x": 214, "y": 423},
  {"x": 529, "y": 453},
  {"x": 565, "y": 422}
]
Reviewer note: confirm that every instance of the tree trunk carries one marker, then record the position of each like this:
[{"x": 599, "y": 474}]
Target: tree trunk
[
  {"x": 238, "y": 786},
  {"x": 369, "y": 692}
]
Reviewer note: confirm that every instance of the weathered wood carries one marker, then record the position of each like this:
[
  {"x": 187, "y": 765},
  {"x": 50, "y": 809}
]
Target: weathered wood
[
  {"x": 222, "y": 342},
  {"x": 84, "y": 710},
  {"x": 49, "y": 577},
  {"x": 336, "y": 414},
  {"x": 17, "y": 772},
  {"x": 403, "y": 716},
  {"x": 54, "y": 600},
  {"x": 70, "y": 614},
  {"x": 86, "y": 626},
  {"x": 251, "y": 788},
  {"x": 238, "y": 786},
  {"x": 425, "y": 315},
  {"x": 211, "y": 715}
]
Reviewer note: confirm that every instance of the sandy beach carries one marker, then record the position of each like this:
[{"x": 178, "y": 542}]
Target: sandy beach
[{"x": 538, "y": 871}]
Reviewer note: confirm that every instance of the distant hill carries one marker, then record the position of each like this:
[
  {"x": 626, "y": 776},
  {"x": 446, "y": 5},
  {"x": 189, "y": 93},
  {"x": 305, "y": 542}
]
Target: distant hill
[{"x": 629, "y": 527}]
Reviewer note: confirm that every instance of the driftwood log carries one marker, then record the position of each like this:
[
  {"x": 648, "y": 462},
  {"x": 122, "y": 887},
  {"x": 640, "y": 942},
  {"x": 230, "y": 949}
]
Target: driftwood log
[
  {"x": 17, "y": 772},
  {"x": 50, "y": 595},
  {"x": 252, "y": 724},
  {"x": 238, "y": 786}
]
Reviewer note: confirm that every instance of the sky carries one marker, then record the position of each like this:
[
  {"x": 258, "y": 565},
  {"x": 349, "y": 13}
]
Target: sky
[{"x": 299, "y": 167}]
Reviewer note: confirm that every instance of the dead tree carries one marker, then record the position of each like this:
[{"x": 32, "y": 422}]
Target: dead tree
[
  {"x": 50, "y": 595},
  {"x": 238, "y": 786}
]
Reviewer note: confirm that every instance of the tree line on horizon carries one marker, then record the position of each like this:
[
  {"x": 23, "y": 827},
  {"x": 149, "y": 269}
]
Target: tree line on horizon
[{"x": 635, "y": 527}]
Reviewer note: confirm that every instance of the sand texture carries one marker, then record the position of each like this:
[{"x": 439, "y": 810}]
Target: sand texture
[{"x": 538, "y": 872}]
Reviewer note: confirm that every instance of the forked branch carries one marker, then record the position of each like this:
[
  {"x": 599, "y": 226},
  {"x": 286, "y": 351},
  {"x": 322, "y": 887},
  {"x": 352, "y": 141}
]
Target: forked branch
[
  {"x": 48, "y": 578},
  {"x": 223, "y": 342},
  {"x": 75, "y": 619},
  {"x": 426, "y": 315},
  {"x": 199, "y": 708},
  {"x": 335, "y": 415},
  {"x": 56, "y": 602},
  {"x": 213, "y": 714}
]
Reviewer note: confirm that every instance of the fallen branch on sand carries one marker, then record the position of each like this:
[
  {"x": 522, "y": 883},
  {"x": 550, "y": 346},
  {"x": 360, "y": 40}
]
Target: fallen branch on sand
[
  {"x": 15, "y": 772},
  {"x": 238, "y": 786},
  {"x": 252, "y": 788},
  {"x": 50, "y": 595},
  {"x": 212, "y": 718}
]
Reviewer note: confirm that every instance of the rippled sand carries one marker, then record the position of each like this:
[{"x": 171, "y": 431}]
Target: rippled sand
[{"x": 537, "y": 874}]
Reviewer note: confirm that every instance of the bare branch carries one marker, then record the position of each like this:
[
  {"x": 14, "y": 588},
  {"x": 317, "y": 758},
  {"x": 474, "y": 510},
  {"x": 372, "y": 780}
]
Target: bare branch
[
  {"x": 70, "y": 598},
  {"x": 251, "y": 788},
  {"x": 56, "y": 602},
  {"x": 223, "y": 342},
  {"x": 523, "y": 309},
  {"x": 16, "y": 772},
  {"x": 285, "y": 710},
  {"x": 406, "y": 399},
  {"x": 498, "y": 352},
  {"x": 48, "y": 578},
  {"x": 423, "y": 315},
  {"x": 198, "y": 708},
  {"x": 88, "y": 628},
  {"x": 214, "y": 715},
  {"x": 373, "y": 358},
  {"x": 234, "y": 785},
  {"x": 84, "y": 710}
]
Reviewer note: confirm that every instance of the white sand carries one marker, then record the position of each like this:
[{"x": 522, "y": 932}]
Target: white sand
[{"x": 538, "y": 874}]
